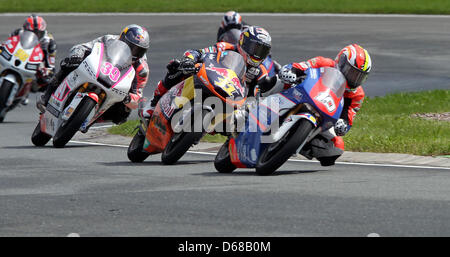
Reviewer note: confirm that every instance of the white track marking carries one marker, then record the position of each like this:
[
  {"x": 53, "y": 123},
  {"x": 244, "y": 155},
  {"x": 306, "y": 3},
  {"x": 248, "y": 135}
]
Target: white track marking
[
  {"x": 293, "y": 160},
  {"x": 244, "y": 14},
  {"x": 104, "y": 126}
]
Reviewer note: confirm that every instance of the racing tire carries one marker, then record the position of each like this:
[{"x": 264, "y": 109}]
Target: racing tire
[
  {"x": 73, "y": 124},
  {"x": 135, "y": 150},
  {"x": 39, "y": 138},
  {"x": 222, "y": 162},
  {"x": 179, "y": 144},
  {"x": 5, "y": 90},
  {"x": 276, "y": 154}
]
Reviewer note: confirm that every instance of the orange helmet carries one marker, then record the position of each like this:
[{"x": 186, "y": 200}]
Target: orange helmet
[
  {"x": 35, "y": 24},
  {"x": 355, "y": 63}
]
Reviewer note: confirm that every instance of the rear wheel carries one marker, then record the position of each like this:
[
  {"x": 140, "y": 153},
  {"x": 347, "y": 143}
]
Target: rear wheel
[
  {"x": 136, "y": 151},
  {"x": 39, "y": 138},
  {"x": 69, "y": 128},
  {"x": 222, "y": 162},
  {"x": 276, "y": 154},
  {"x": 5, "y": 90}
]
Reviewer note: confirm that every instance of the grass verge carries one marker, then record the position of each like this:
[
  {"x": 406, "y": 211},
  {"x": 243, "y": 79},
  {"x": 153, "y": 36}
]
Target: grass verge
[
  {"x": 384, "y": 124},
  {"x": 284, "y": 6}
]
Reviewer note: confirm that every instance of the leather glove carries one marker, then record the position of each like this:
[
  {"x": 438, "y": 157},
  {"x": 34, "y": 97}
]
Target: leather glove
[
  {"x": 287, "y": 76},
  {"x": 173, "y": 65},
  {"x": 187, "y": 66},
  {"x": 127, "y": 99},
  {"x": 340, "y": 128}
]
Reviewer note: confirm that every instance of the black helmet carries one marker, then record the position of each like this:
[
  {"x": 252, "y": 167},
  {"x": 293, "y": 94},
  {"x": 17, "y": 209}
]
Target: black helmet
[
  {"x": 137, "y": 39},
  {"x": 254, "y": 45}
]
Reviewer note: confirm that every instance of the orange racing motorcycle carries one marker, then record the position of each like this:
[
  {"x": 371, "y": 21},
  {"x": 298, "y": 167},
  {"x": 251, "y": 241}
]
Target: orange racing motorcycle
[{"x": 193, "y": 107}]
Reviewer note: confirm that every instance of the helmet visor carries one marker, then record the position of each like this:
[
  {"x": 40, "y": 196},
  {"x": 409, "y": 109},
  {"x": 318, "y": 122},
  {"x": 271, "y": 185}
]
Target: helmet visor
[
  {"x": 257, "y": 50},
  {"x": 39, "y": 33},
  {"x": 355, "y": 77},
  {"x": 136, "y": 51}
]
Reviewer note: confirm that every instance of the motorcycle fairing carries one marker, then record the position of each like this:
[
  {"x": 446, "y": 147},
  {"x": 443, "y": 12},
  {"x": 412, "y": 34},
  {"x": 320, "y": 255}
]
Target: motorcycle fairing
[
  {"x": 248, "y": 143},
  {"x": 86, "y": 73},
  {"x": 159, "y": 130}
]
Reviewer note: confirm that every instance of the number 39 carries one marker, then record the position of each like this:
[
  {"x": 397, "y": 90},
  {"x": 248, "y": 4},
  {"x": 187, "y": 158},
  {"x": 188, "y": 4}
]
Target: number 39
[{"x": 109, "y": 70}]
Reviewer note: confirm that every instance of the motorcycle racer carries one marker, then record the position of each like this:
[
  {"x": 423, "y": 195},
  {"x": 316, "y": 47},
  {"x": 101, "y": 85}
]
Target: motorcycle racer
[
  {"x": 38, "y": 26},
  {"x": 254, "y": 46},
  {"x": 138, "y": 39},
  {"x": 355, "y": 64},
  {"x": 231, "y": 20},
  {"x": 228, "y": 31}
]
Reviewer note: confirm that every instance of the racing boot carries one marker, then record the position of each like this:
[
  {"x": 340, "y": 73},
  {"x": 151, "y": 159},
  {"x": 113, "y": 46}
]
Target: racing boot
[{"x": 41, "y": 102}]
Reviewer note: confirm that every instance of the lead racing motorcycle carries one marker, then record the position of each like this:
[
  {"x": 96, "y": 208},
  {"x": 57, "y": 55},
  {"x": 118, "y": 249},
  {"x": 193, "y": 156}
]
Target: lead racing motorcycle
[
  {"x": 103, "y": 78},
  {"x": 185, "y": 113},
  {"x": 20, "y": 59},
  {"x": 281, "y": 124}
]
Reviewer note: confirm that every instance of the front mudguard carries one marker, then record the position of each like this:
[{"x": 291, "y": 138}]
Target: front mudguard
[{"x": 291, "y": 121}]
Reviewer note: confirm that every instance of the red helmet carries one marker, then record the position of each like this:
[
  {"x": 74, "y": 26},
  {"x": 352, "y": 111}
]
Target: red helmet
[
  {"x": 35, "y": 24},
  {"x": 355, "y": 63}
]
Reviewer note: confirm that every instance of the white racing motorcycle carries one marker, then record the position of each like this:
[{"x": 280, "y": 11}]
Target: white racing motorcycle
[
  {"x": 102, "y": 79},
  {"x": 20, "y": 59}
]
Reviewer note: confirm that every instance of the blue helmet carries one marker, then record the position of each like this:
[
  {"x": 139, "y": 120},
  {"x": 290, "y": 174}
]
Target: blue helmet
[{"x": 137, "y": 38}]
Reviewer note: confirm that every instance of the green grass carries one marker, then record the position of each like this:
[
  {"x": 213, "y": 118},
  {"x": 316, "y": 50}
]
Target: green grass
[
  {"x": 384, "y": 125},
  {"x": 288, "y": 6},
  {"x": 125, "y": 129}
]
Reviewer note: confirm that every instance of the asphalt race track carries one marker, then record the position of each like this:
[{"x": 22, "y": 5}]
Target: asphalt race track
[{"x": 96, "y": 191}]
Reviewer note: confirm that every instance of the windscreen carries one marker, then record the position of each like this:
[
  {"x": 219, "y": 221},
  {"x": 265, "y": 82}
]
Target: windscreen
[
  {"x": 233, "y": 61},
  {"x": 116, "y": 62},
  {"x": 231, "y": 36},
  {"x": 333, "y": 79},
  {"x": 28, "y": 39},
  {"x": 118, "y": 54}
]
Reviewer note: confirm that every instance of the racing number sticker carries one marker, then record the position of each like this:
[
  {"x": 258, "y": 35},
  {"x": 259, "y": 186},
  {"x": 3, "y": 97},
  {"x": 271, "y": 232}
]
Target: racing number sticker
[
  {"x": 327, "y": 100},
  {"x": 109, "y": 70},
  {"x": 21, "y": 54}
]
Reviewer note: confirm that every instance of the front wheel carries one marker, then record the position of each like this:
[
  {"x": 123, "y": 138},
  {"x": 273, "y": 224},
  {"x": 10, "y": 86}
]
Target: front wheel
[
  {"x": 222, "y": 162},
  {"x": 276, "y": 154},
  {"x": 73, "y": 124},
  {"x": 136, "y": 151},
  {"x": 180, "y": 143},
  {"x": 5, "y": 91},
  {"x": 39, "y": 138}
]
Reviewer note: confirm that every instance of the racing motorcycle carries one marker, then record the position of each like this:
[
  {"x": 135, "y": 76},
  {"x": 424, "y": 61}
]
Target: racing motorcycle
[
  {"x": 281, "y": 124},
  {"x": 20, "y": 59},
  {"x": 172, "y": 128},
  {"x": 103, "y": 78}
]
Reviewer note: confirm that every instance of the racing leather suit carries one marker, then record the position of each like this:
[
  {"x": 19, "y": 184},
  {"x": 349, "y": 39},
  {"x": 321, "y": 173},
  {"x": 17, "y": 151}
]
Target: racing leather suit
[
  {"x": 353, "y": 99},
  {"x": 253, "y": 76},
  {"x": 119, "y": 112}
]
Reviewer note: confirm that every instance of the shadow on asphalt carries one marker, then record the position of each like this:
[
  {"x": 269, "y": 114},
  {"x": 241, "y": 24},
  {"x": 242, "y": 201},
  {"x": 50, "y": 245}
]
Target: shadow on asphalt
[
  {"x": 150, "y": 163},
  {"x": 48, "y": 146},
  {"x": 18, "y": 122},
  {"x": 253, "y": 173}
]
